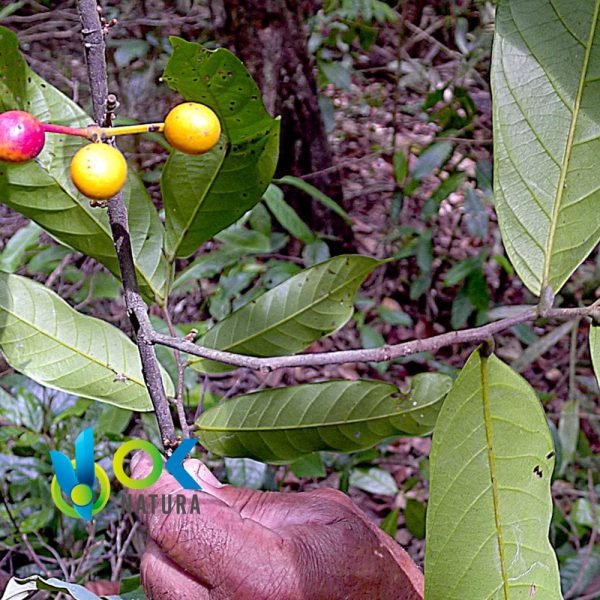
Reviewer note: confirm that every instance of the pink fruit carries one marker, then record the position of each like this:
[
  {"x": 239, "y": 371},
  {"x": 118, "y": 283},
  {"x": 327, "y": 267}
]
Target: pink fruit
[{"x": 21, "y": 136}]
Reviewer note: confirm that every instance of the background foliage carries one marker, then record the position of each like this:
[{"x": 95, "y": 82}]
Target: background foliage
[{"x": 405, "y": 97}]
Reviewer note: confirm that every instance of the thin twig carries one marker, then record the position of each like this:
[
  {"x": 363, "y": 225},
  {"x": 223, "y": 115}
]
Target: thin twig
[
  {"x": 122, "y": 551},
  {"x": 178, "y": 400},
  {"x": 381, "y": 354},
  {"x": 34, "y": 557},
  {"x": 93, "y": 41},
  {"x": 58, "y": 270}
]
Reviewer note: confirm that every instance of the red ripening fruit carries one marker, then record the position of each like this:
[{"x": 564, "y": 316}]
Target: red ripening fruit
[{"x": 21, "y": 136}]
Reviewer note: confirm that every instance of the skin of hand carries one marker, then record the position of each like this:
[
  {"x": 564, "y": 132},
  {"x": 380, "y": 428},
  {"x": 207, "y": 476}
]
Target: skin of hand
[{"x": 245, "y": 544}]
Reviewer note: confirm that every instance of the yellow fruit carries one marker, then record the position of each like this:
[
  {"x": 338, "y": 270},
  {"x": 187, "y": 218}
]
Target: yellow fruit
[
  {"x": 98, "y": 171},
  {"x": 192, "y": 128}
]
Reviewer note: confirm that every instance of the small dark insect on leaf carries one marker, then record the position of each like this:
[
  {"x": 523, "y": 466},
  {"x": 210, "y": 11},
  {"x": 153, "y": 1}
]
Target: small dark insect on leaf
[
  {"x": 537, "y": 471},
  {"x": 550, "y": 454}
]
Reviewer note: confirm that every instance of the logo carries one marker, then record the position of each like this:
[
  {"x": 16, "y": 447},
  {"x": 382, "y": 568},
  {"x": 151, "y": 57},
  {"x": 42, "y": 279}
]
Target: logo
[{"x": 77, "y": 478}]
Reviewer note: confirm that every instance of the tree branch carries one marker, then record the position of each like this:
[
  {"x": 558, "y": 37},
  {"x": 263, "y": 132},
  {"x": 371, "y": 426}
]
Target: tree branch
[
  {"x": 93, "y": 42},
  {"x": 381, "y": 354}
]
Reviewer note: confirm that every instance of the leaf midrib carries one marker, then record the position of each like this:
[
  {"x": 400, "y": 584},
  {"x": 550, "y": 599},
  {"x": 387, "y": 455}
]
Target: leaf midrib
[
  {"x": 184, "y": 231},
  {"x": 68, "y": 346},
  {"x": 217, "y": 172},
  {"x": 558, "y": 199},
  {"x": 281, "y": 322},
  {"x": 487, "y": 417},
  {"x": 386, "y": 416},
  {"x": 36, "y": 81}
]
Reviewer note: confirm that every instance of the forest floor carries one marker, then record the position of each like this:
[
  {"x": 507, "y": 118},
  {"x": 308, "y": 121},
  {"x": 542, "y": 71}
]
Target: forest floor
[{"x": 377, "y": 115}]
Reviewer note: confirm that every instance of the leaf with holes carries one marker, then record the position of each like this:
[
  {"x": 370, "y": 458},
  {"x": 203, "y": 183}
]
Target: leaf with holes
[
  {"x": 45, "y": 339},
  {"x": 489, "y": 503},
  {"x": 545, "y": 83},
  {"x": 283, "y": 424},
  {"x": 292, "y": 315},
  {"x": 204, "y": 194},
  {"x": 42, "y": 189}
]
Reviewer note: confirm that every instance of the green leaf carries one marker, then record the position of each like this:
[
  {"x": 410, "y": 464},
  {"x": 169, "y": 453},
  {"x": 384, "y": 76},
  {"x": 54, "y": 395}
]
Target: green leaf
[
  {"x": 431, "y": 159},
  {"x": 316, "y": 194},
  {"x": 245, "y": 472},
  {"x": 571, "y": 568},
  {"x": 283, "y": 424},
  {"x": 42, "y": 189},
  {"x": 12, "y": 257},
  {"x": 20, "y": 589},
  {"x": 288, "y": 218},
  {"x": 568, "y": 433},
  {"x": 414, "y": 517},
  {"x": 45, "y": 339},
  {"x": 476, "y": 214},
  {"x": 400, "y": 164},
  {"x": 336, "y": 73},
  {"x": 541, "y": 346},
  {"x": 206, "y": 266},
  {"x": 204, "y": 194},
  {"x": 395, "y": 317},
  {"x": 595, "y": 349},
  {"x": 292, "y": 315},
  {"x": 374, "y": 481},
  {"x": 37, "y": 520},
  {"x": 490, "y": 504},
  {"x": 310, "y": 466},
  {"x": 390, "y": 523},
  {"x": 546, "y": 118},
  {"x": 582, "y": 513},
  {"x": 244, "y": 240}
]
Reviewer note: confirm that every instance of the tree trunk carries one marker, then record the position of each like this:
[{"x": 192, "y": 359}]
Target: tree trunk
[{"x": 270, "y": 38}]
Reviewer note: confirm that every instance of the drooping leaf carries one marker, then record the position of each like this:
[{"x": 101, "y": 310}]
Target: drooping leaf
[
  {"x": 292, "y": 315},
  {"x": 595, "y": 349},
  {"x": 42, "y": 189},
  {"x": 545, "y": 86},
  {"x": 541, "y": 346},
  {"x": 45, "y": 339},
  {"x": 283, "y": 424},
  {"x": 11, "y": 258},
  {"x": 204, "y": 194},
  {"x": 316, "y": 194},
  {"x": 288, "y": 218},
  {"x": 490, "y": 504}
]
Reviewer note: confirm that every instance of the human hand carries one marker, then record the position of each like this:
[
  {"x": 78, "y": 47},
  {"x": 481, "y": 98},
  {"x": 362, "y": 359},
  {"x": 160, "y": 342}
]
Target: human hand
[{"x": 246, "y": 544}]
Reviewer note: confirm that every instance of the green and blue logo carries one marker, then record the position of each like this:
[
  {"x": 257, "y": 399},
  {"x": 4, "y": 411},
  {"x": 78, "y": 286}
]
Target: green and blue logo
[{"x": 76, "y": 479}]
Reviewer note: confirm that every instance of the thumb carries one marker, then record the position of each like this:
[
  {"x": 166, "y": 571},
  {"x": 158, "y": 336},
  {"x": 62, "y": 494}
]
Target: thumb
[
  {"x": 199, "y": 534},
  {"x": 141, "y": 465}
]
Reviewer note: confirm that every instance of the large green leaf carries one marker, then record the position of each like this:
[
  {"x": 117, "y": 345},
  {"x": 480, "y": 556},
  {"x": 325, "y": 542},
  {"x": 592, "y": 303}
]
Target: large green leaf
[
  {"x": 45, "y": 339},
  {"x": 546, "y": 84},
  {"x": 282, "y": 424},
  {"x": 204, "y": 194},
  {"x": 292, "y": 315},
  {"x": 489, "y": 502},
  {"x": 595, "y": 349},
  {"x": 42, "y": 189}
]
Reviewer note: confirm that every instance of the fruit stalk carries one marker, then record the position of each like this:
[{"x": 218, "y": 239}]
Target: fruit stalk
[{"x": 95, "y": 133}]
